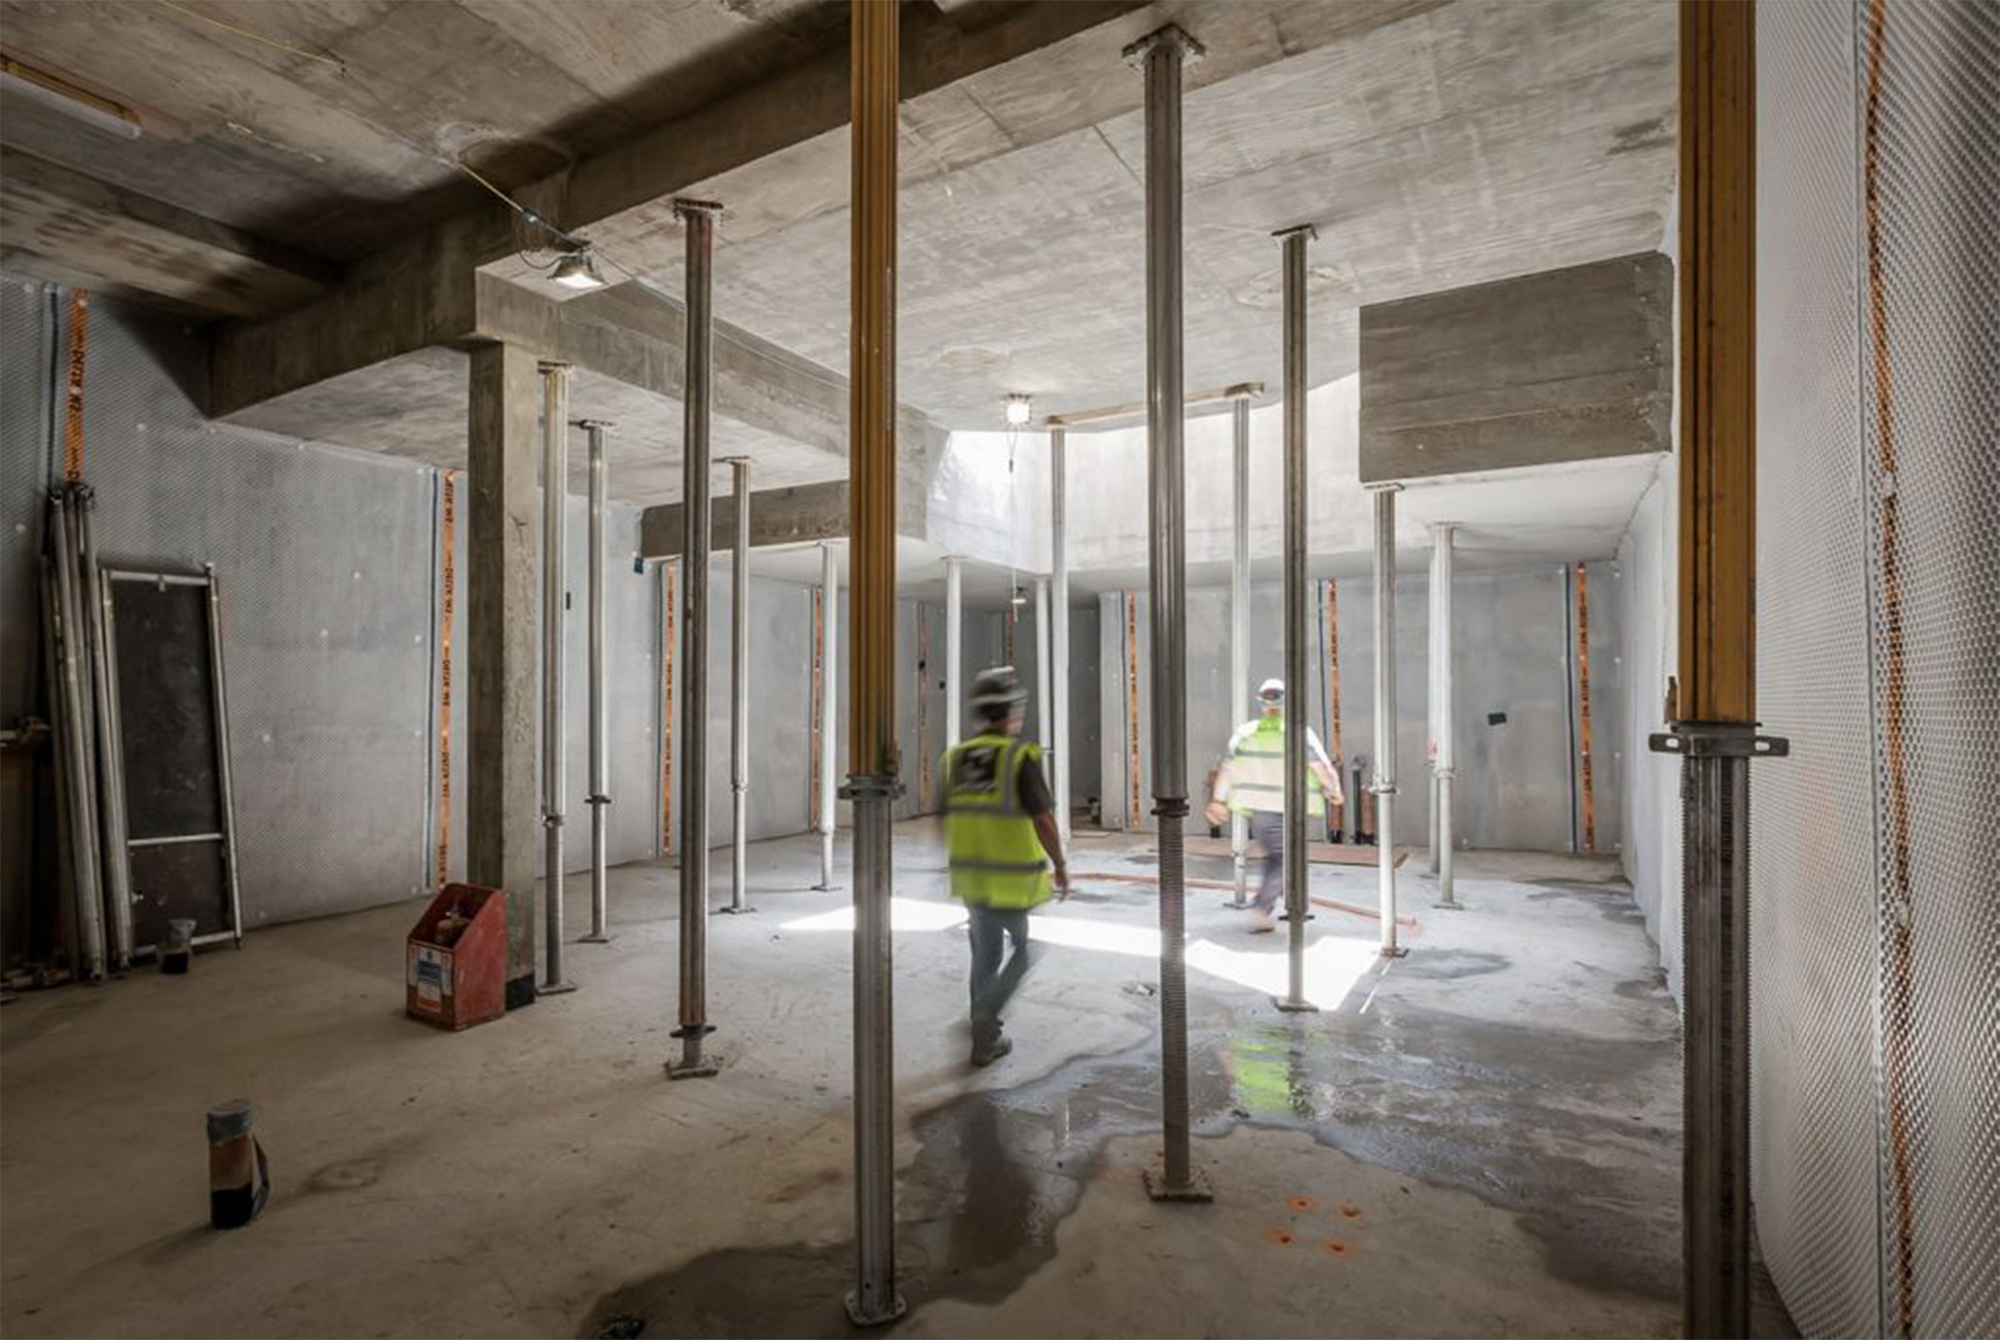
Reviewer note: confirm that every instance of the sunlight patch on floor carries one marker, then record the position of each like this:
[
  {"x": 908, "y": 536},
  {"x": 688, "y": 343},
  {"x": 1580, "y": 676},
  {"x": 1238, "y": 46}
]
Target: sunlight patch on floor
[{"x": 1332, "y": 964}]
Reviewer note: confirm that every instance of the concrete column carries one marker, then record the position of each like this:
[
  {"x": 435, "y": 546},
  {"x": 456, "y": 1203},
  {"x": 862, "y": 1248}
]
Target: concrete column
[
  {"x": 1059, "y": 639},
  {"x": 1042, "y": 693},
  {"x": 954, "y": 649},
  {"x": 503, "y": 823}
]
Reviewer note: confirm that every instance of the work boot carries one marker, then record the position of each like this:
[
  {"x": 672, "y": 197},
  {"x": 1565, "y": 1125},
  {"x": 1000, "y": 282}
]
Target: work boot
[
  {"x": 1261, "y": 922},
  {"x": 987, "y": 1052}
]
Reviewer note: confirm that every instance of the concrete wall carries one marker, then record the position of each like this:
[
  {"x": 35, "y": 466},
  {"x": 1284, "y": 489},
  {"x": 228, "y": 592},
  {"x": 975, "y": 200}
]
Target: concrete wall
[
  {"x": 330, "y": 571},
  {"x": 1565, "y": 365},
  {"x": 1519, "y": 777},
  {"x": 781, "y": 707}
]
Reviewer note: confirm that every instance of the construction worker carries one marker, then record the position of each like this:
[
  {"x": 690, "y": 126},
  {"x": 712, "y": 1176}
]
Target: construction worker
[
  {"x": 1250, "y": 781},
  {"x": 1001, "y": 839}
]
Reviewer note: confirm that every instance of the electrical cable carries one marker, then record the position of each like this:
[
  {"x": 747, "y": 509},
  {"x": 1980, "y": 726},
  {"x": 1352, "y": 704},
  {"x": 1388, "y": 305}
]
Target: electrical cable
[
  {"x": 254, "y": 35},
  {"x": 572, "y": 242}
]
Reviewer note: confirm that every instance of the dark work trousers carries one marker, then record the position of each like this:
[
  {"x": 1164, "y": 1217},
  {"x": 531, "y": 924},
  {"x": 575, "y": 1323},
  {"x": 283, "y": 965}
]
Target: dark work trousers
[
  {"x": 993, "y": 985},
  {"x": 1268, "y": 830}
]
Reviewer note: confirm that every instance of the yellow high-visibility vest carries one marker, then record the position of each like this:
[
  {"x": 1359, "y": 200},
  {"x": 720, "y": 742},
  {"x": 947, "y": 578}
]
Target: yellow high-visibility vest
[
  {"x": 1257, "y": 771},
  {"x": 996, "y": 859}
]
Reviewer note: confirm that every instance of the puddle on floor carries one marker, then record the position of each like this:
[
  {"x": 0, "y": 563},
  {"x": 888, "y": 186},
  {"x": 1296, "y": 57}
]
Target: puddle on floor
[{"x": 1442, "y": 1098}]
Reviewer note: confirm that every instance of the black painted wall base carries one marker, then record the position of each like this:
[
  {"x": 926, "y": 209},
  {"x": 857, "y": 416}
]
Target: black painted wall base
[{"x": 521, "y": 991}]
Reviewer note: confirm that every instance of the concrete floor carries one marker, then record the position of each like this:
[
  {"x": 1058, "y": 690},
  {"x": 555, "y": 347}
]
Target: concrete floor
[{"x": 1479, "y": 1139}]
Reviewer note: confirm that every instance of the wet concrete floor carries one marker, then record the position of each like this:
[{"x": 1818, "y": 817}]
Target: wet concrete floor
[
  {"x": 1419, "y": 1083},
  {"x": 1480, "y": 1138}
]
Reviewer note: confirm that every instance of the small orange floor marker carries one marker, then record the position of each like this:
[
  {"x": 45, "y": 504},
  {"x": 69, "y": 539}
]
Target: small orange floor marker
[
  {"x": 1350, "y": 1212},
  {"x": 1299, "y": 1204},
  {"x": 1334, "y": 1247},
  {"x": 1281, "y": 1237}
]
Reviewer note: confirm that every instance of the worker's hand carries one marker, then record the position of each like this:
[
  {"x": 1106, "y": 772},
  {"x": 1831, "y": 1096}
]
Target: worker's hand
[
  {"x": 1218, "y": 813},
  {"x": 1062, "y": 883}
]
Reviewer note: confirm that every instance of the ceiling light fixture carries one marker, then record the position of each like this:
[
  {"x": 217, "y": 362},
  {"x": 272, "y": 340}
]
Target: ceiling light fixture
[
  {"x": 72, "y": 99},
  {"x": 1020, "y": 409},
  {"x": 578, "y": 270}
]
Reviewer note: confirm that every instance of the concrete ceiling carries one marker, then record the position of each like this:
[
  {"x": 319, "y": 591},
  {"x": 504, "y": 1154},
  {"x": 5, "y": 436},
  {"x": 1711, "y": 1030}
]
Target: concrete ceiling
[
  {"x": 332, "y": 126},
  {"x": 1457, "y": 144},
  {"x": 1434, "y": 143}
]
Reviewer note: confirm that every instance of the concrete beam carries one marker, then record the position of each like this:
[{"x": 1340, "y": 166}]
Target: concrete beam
[
  {"x": 1566, "y": 365},
  {"x": 638, "y": 336},
  {"x": 422, "y": 292},
  {"x": 396, "y": 302},
  {"x": 798, "y": 515},
  {"x": 503, "y": 828},
  {"x": 62, "y": 225}
]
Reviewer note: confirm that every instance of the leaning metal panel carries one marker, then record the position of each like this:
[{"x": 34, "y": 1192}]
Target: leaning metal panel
[
  {"x": 1930, "y": 423},
  {"x": 1812, "y": 899}
]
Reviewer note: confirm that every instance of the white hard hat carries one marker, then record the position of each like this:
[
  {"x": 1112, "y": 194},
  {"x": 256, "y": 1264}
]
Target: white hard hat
[{"x": 1271, "y": 688}]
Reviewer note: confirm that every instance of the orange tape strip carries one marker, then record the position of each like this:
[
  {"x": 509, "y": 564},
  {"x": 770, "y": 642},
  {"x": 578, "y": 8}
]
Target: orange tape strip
[
  {"x": 1336, "y": 814},
  {"x": 818, "y": 689},
  {"x": 448, "y": 587},
  {"x": 1583, "y": 706},
  {"x": 1132, "y": 705},
  {"x": 79, "y": 340}
]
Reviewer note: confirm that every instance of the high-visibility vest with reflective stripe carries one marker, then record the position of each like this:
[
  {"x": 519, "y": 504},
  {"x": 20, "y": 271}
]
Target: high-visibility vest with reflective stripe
[
  {"x": 1257, "y": 772},
  {"x": 996, "y": 859}
]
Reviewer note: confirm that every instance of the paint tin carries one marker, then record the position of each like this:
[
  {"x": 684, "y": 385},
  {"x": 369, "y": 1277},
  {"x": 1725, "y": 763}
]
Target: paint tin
[
  {"x": 239, "y": 1177},
  {"x": 177, "y": 948}
]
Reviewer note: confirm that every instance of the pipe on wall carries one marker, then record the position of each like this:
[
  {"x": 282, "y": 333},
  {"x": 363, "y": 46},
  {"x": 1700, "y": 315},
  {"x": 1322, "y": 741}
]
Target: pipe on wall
[
  {"x": 739, "y": 690},
  {"x": 954, "y": 649},
  {"x": 94, "y": 597},
  {"x": 1239, "y": 617},
  {"x": 1042, "y": 693},
  {"x": 85, "y": 854},
  {"x": 555, "y": 533},
  {"x": 698, "y": 217},
  {"x": 599, "y": 798}
]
